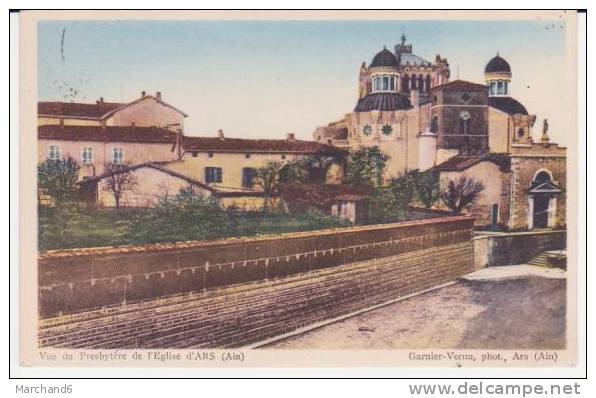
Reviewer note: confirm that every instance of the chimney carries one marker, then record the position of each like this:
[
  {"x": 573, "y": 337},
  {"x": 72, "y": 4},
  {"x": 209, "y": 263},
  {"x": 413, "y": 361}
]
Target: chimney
[
  {"x": 158, "y": 95},
  {"x": 100, "y": 100},
  {"x": 290, "y": 137},
  {"x": 143, "y": 93},
  {"x": 220, "y": 134}
]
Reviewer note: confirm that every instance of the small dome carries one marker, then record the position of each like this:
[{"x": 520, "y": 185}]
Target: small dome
[
  {"x": 384, "y": 58},
  {"x": 497, "y": 64}
]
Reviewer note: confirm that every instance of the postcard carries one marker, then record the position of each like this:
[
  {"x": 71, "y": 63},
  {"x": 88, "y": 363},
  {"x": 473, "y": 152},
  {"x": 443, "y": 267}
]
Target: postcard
[{"x": 299, "y": 189}]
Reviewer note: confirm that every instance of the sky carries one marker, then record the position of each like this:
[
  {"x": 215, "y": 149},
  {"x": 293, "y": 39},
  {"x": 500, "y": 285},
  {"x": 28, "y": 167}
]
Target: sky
[{"x": 263, "y": 79}]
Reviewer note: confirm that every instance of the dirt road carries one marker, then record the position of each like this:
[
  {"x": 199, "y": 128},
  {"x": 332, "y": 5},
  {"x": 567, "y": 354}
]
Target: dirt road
[{"x": 525, "y": 313}]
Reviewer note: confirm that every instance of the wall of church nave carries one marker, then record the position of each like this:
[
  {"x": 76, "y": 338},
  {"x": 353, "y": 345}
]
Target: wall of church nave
[
  {"x": 498, "y": 126},
  {"x": 495, "y": 183}
]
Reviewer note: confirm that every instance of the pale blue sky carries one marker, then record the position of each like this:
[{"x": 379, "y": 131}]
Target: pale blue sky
[{"x": 263, "y": 79}]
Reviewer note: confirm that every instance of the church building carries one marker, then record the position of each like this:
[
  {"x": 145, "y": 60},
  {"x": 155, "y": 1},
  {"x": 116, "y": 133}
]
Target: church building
[{"x": 409, "y": 108}]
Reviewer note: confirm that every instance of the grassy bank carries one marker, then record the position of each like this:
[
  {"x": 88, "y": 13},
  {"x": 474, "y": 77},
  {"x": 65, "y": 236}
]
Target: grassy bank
[{"x": 108, "y": 227}]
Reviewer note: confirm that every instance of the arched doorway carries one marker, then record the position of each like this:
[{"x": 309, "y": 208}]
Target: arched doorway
[{"x": 542, "y": 199}]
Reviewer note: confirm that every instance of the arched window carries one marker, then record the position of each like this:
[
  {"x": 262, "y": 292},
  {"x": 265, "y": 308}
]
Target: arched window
[
  {"x": 420, "y": 82},
  {"x": 405, "y": 83},
  {"x": 520, "y": 132},
  {"x": 493, "y": 88},
  {"x": 428, "y": 83},
  {"x": 543, "y": 176},
  {"x": 505, "y": 88},
  {"x": 464, "y": 123}
]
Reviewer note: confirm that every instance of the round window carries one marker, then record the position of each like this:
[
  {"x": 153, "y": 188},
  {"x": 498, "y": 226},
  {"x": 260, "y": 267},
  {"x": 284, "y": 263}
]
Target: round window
[
  {"x": 387, "y": 129},
  {"x": 367, "y": 130}
]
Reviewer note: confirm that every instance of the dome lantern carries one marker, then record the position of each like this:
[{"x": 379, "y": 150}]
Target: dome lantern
[{"x": 497, "y": 74}]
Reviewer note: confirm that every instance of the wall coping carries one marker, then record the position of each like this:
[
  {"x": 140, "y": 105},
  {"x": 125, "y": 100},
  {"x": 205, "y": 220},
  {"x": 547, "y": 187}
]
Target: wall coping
[
  {"x": 155, "y": 247},
  {"x": 525, "y": 233}
]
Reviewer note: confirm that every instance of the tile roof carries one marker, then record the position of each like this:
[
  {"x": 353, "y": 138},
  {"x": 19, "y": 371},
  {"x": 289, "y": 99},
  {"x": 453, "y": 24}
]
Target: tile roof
[
  {"x": 107, "y": 133},
  {"x": 216, "y": 144},
  {"x": 461, "y": 85},
  {"x": 383, "y": 102},
  {"x": 463, "y": 162},
  {"x": 76, "y": 109},
  {"x": 508, "y": 105}
]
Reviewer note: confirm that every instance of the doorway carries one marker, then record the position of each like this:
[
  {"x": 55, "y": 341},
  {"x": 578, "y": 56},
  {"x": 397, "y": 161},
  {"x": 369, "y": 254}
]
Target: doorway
[{"x": 541, "y": 205}]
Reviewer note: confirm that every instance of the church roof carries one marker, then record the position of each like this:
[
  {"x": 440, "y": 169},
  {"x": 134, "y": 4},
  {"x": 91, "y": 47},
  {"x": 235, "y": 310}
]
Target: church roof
[
  {"x": 413, "y": 59},
  {"x": 383, "y": 102},
  {"x": 497, "y": 64},
  {"x": 461, "y": 85},
  {"x": 508, "y": 105},
  {"x": 384, "y": 58},
  {"x": 463, "y": 162}
]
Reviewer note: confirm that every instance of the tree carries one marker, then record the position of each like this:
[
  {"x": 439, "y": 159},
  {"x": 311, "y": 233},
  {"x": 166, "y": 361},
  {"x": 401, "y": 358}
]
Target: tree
[
  {"x": 367, "y": 166},
  {"x": 268, "y": 178},
  {"x": 403, "y": 188},
  {"x": 428, "y": 187},
  {"x": 460, "y": 193},
  {"x": 308, "y": 170},
  {"x": 58, "y": 179},
  {"x": 120, "y": 179}
]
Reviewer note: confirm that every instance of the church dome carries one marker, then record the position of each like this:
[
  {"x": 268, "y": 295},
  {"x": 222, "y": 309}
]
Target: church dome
[
  {"x": 497, "y": 64},
  {"x": 384, "y": 58}
]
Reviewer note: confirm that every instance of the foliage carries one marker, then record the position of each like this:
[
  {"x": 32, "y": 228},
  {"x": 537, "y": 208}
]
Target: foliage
[
  {"x": 58, "y": 179},
  {"x": 366, "y": 166},
  {"x": 185, "y": 216},
  {"x": 120, "y": 179},
  {"x": 460, "y": 193},
  {"x": 268, "y": 178},
  {"x": 383, "y": 207},
  {"x": 308, "y": 169},
  {"x": 57, "y": 226},
  {"x": 403, "y": 188},
  {"x": 428, "y": 187}
]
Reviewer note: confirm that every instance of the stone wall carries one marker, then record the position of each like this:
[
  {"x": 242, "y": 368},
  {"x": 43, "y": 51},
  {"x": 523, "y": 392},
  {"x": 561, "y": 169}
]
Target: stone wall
[
  {"x": 515, "y": 248},
  {"x": 524, "y": 169},
  {"x": 242, "y": 314},
  {"x": 79, "y": 280}
]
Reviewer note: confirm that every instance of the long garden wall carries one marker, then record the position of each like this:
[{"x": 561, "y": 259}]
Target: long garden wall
[{"x": 72, "y": 281}]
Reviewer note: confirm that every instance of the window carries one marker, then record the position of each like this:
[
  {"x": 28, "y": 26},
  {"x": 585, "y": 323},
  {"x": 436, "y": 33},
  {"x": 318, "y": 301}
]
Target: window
[
  {"x": 247, "y": 155},
  {"x": 367, "y": 130},
  {"x": 283, "y": 157},
  {"x": 493, "y": 88},
  {"x": 87, "y": 155},
  {"x": 210, "y": 154},
  {"x": 505, "y": 88},
  {"x": 195, "y": 154},
  {"x": 434, "y": 124},
  {"x": 464, "y": 122},
  {"x": 213, "y": 174},
  {"x": 117, "y": 155},
  {"x": 500, "y": 88},
  {"x": 54, "y": 153},
  {"x": 248, "y": 177},
  {"x": 385, "y": 83}
]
